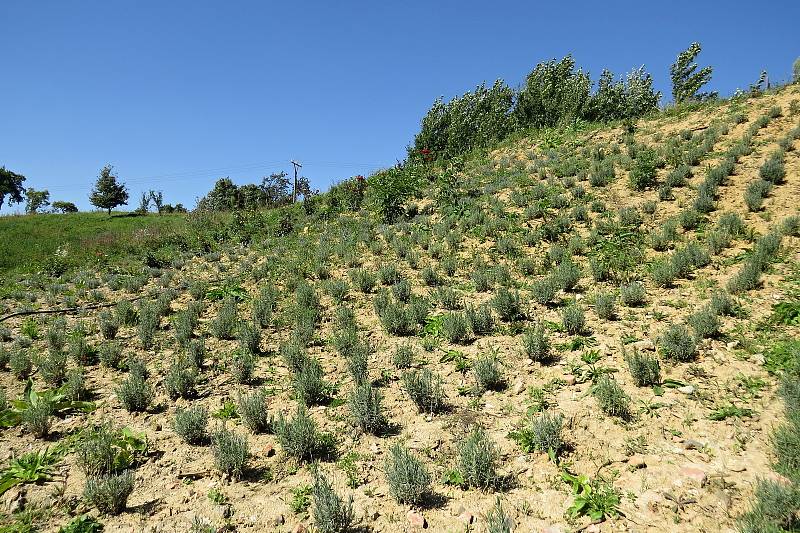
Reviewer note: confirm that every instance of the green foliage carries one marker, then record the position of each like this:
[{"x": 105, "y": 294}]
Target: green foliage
[
  {"x": 309, "y": 384},
  {"x": 109, "y": 493},
  {"x": 537, "y": 345},
  {"x": 11, "y": 186},
  {"x": 553, "y": 93},
  {"x": 594, "y": 498},
  {"x": 645, "y": 370},
  {"x": 32, "y": 467},
  {"x": 104, "y": 450},
  {"x": 52, "y": 401},
  {"x": 408, "y": 478},
  {"x": 454, "y": 327},
  {"x": 425, "y": 390},
  {"x": 253, "y": 410},
  {"x": 332, "y": 514},
  {"x": 403, "y": 356},
  {"x": 489, "y": 373},
  {"x": 542, "y": 434},
  {"x": 604, "y": 304},
  {"x": 179, "y": 382},
  {"x": 497, "y": 520},
  {"x": 677, "y": 343},
  {"x": 705, "y": 323},
  {"x": 774, "y": 509},
  {"x": 83, "y": 523},
  {"x": 366, "y": 407},
  {"x": 135, "y": 393},
  {"x": 686, "y": 78},
  {"x": 231, "y": 453},
  {"x": 300, "y": 438},
  {"x": 612, "y": 400},
  {"x": 643, "y": 173},
  {"x": 389, "y": 190},
  {"x": 573, "y": 319},
  {"x": 242, "y": 365},
  {"x": 107, "y": 192},
  {"x": 477, "y": 460},
  {"x": 191, "y": 424},
  {"x": 226, "y": 321}
]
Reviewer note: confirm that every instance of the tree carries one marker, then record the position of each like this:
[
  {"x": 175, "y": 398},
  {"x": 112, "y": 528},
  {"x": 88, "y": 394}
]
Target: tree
[
  {"x": 795, "y": 72},
  {"x": 107, "y": 193},
  {"x": 64, "y": 207},
  {"x": 36, "y": 200},
  {"x": 687, "y": 79},
  {"x": 554, "y": 92},
  {"x": 11, "y": 186}
]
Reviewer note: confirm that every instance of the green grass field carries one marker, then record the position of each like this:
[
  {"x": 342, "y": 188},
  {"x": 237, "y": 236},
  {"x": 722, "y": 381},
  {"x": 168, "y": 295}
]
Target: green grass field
[{"x": 28, "y": 241}]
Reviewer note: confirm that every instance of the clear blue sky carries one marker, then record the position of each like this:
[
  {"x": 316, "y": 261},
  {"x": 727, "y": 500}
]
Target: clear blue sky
[{"x": 176, "y": 94}]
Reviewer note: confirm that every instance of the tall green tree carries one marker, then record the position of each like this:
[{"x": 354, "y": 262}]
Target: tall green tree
[
  {"x": 687, "y": 79},
  {"x": 108, "y": 193},
  {"x": 11, "y": 186},
  {"x": 554, "y": 92},
  {"x": 36, "y": 200}
]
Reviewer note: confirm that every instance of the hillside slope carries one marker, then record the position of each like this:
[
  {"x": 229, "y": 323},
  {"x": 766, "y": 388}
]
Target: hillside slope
[{"x": 529, "y": 281}]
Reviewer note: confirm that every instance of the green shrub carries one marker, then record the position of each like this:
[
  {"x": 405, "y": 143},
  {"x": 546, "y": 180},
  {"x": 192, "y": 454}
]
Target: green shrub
[
  {"x": 497, "y": 520},
  {"x": 402, "y": 290},
  {"x": 300, "y": 438},
  {"x": 573, "y": 319},
  {"x": 429, "y": 276},
  {"x": 403, "y": 356},
  {"x": 242, "y": 365},
  {"x": 231, "y": 453},
  {"x": 191, "y": 424},
  {"x": 645, "y": 370},
  {"x": 196, "y": 353},
  {"x": 309, "y": 384},
  {"x": 544, "y": 291},
  {"x": 755, "y": 193},
  {"x": 332, "y": 514},
  {"x": 37, "y": 419},
  {"x": 543, "y": 434},
  {"x": 677, "y": 343},
  {"x": 184, "y": 325},
  {"x": 425, "y": 390},
  {"x": 409, "y": 480},
  {"x": 705, "y": 323},
  {"x": 365, "y": 405},
  {"x": 604, "y": 304},
  {"x": 53, "y": 367},
  {"x": 109, "y": 493},
  {"x": 448, "y": 298},
  {"x": 643, "y": 173},
  {"x": 477, "y": 460},
  {"x": 135, "y": 393},
  {"x": 455, "y": 327},
  {"x": 507, "y": 304},
  {"x": 489, "y": 373},
  {"x": 363, "y": 279},
  {"x": 566, "y": 275},
  {"x": 479, "y": 319},
  {"x": 537, "y": 345},
  {"x": 148, "y": 324},
  {"x": 612, "y": 399},
  {"x": 663, "y": 273},
  {"x": 56, "y": 335},
  {"x": 126, "y": 314},
  {"x": 252, "y": 409},
  {"x": 747, "y": 278},
  {"x": 224, "y": 324},
  {"x": 249, "y": 336},
  {"x": 774, "y": 508},
  {"x": 108, "y": 325},
  {"x": 262, "y": 307},
  {"x": 180, "y": 380}
]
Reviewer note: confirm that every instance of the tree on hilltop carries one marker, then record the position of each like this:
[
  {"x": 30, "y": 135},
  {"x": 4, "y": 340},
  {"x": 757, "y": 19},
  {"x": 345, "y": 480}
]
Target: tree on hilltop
[{"x": 108, "y": 193}]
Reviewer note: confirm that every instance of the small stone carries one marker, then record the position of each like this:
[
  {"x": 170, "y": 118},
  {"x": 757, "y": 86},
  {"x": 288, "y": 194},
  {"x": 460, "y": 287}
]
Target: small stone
[
  {"x": 299, "y": 528},
  {"x": 636, "y": 462},
  {"x": 593, "y": 528},
  {"x": 691, "y": 444},
  {"x": 686, "y": 389},
  {"x": 694, "y": 474},
  {"x": 737, "y": 467},
  {"x": 518, "y": 387},
  {"x": 269, "y": 450},
  {"x": 466, "y": 518},
  {"x": 731, "y": 345},
  {"x": 569, "y": 379},
  {"x": 456, "y": 511},
  {"x": 156, "y": 426},
  {"x": 758, "y": 359},
  {"x": 416, "y": 520},
  {"x": 552, "y": 529},
  {"x": 645, "y": 344},
  {"x": 278, "y": 520}
]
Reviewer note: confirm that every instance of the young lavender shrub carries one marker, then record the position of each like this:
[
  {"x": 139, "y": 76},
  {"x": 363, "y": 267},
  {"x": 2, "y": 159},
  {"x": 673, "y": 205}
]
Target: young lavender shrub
[
  {"x": 774, "y": 508},
  {"x": 677, "y": 343},
  {"x": 773, "y": 170},
  {"x": 242, "y": 365},
  {"x": 363, "y": 280},
  {"x": 57, "y": 334},
  {"x": 126, "y": 313},
  {"x": 37, "y": 419},
  {"x": 262, "y": 307},
  {"x": 249, "y": 336},
  {"x": 604, "y": 304},
  {"x": 402, "y": 291},
  {"x": 108, "y": 325},
  {"x": 366, "y": 408},
  {"x": 180, "y": 380},
  {"x": 632, "y": 294},
  {"x": 425, "y": 390},
  {"x": 403, "y": 356},
  {"x": 252, "y": 409},
  {"x": 300, "y": 437},
  {"x": 543, "y": 434},
  {"x": 479, "y": 319},
  {"x": 497, "y": 520},
  {"x": 755, "y": 193},
  {"x": 135, "y": 393},
  {"x": 573, "y": 319},
  {"x": 544, "y": 291},
  {"x": 705, "y": 323},
  {"x": 309, "y": 384},
  {"x": 507, "y": 304},
  {"x": 645, "y": 370},
  {"x": 536, "y": 344},
  {"x": 477, "y": 460},
  {"x": 53, "y": 367},
  {"x": 109, "y": 493},
  {"x": 20, "y": 363},
  {"x": 191, "y": 424},
  {"x": 455, "y": 327},
  {"x": 612, "y": 399},
  {"x": 408, "y": 478},
  {"x": 489, "y": 373},
  {"x": 231, "y": 453},
  {"x": 332, "y": 514},
  {"x": 224, "y": 325},
  {"x": 196, "y": 353},
  {"x": 111, "y": 355},
  {"x": 184, "y": 325}
]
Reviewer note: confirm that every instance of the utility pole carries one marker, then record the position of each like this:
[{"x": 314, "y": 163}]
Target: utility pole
[{"x": 297, "y": 166}]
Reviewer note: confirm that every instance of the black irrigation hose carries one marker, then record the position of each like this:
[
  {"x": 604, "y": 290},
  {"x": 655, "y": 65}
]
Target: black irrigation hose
[{"x": 66, "y": 309}]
